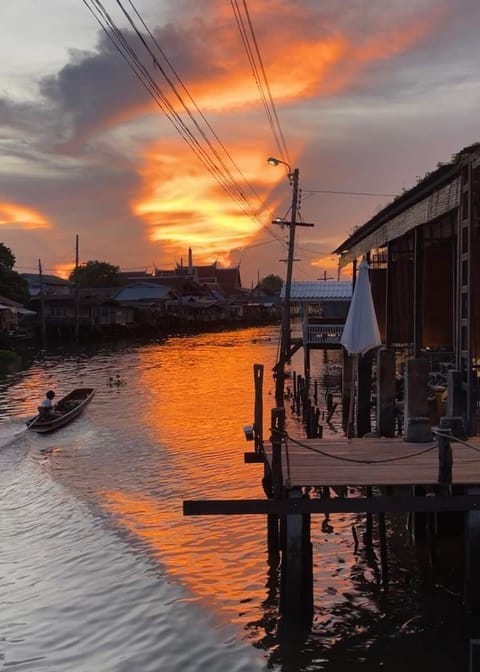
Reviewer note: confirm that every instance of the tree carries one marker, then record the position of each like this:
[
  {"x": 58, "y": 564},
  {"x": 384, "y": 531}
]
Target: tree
[
  {"x": 12, "y": 285},
  {"x": 272, "y": 284},
  {"x": 7, "y": 258},
  {"x": 96, "y": 274}
]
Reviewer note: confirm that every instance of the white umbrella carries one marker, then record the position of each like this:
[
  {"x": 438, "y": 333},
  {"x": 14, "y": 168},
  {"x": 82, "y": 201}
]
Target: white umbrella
[{"x": 361, "y": 332}]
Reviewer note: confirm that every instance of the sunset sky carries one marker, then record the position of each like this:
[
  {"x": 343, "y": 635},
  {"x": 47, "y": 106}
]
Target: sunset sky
[{"x": 369, "y": 96}]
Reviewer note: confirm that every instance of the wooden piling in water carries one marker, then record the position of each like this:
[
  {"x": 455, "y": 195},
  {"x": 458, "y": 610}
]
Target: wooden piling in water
[
  {"x": 472, "y": 562},
  {"x": 382, "y": 538},
  {"x": 347, "y": 363},
  {"x": 258, "y": 409},
  {"x": 416, "y": 382},
  {"x": 364, "y": 394},
  {"x": 278, "y": 426},
  {"x": 385, "y": 393},
  {"x": 296, "y": 583}
]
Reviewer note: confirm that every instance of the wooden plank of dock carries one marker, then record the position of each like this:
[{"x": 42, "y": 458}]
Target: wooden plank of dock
[{"x": 372, "y": 461}]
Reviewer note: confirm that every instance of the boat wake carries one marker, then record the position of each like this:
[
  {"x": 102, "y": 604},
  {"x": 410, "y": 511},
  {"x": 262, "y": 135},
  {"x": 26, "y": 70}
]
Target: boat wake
[{"x": 9, "y": 431}]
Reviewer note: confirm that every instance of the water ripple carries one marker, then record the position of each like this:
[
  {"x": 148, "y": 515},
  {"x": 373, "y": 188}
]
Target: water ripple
[{"x": 100, "y": 570}]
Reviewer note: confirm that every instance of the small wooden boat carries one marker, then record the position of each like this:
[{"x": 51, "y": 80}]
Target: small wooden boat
[{"x": 65, "y": 410}]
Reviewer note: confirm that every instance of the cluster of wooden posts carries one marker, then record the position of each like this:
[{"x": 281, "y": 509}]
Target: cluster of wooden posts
[{"x": 307, "y": 407}]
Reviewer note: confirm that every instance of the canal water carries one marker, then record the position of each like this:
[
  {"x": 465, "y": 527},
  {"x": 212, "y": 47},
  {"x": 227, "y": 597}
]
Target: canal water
[{"x": 100, "y": 571}]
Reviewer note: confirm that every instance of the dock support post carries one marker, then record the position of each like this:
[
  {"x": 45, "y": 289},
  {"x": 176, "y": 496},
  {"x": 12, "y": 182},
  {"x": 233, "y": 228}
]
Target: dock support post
[
  {"x": 445, "y": 457},
  {"x": 382, "y": 537},
  {"x": 368, "y": 521},
  {"x": 364, "y": 394},
  {"x": 386, "y": 393},
  {"x": 273, "y": 538},
  {"x": 296, "y": 584},
  {"x": 278, "y": 427},
  {"x": 416, "y": 389},
  {"x": 258, "y": 410},
  {"x": 457, "y": 398},
  {"x": 417, "y": 522},
  {"x": 347, "y": 363},
  {"x": 472, "y": 562},
  {"x": 448, "y": 522},
  {"x": 275, "y": 480},
  {"x": 306, "y": 362}
]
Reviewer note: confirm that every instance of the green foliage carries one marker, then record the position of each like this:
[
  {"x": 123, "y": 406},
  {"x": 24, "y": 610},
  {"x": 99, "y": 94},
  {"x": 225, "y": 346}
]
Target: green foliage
[
  {"x": 272, "y": 284},
  {"x": 96, "y": 274},
  {"x": 12, "y": 285}
]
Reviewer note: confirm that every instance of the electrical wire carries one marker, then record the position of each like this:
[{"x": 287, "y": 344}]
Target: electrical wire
[
  {"x": 347, "y": 193},
  {"x": 203, "y": 147},
  {"x": 259, "y": 73}
]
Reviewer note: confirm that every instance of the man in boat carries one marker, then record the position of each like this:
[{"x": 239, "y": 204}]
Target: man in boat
[{"x": 46, "y": 410}]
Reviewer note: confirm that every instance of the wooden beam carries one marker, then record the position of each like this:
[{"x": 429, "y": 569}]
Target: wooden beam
[
  {"x": 254, "y": 458},
  {"x": 407, "y": 504}
]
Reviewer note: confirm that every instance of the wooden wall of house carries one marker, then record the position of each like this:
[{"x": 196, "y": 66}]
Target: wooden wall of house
[
  {"x": 378, "y": 283},
  {"x": 476, "y": 276},
  {"x": 400, "y": 297},
  {"x": 438, "y": 295}
]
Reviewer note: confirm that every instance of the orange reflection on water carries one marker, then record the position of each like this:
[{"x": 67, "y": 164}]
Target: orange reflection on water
[
  {"x": 198, "y": 399},
  {"x": 197, "y": 551}
]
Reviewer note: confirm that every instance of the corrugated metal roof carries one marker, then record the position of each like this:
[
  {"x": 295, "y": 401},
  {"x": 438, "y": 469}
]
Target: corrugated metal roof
[
  {"x": 143, "y": 292},
  {"x": 320, "y": 291},
  {"x": 433, "y": 196},
  {"x": 34, "y": 278},
  {"x": 433, "y": 206}
]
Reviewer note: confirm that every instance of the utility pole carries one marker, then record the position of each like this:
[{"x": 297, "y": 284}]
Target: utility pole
[
  {"x": 285, "y": 333},
  {"x": 77, "y": 300},
  {"x": 42, "y": 307},
  {"x": 285, "y": 337}
]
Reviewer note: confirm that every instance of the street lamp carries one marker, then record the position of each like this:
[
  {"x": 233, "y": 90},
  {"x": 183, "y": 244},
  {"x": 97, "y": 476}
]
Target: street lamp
[
  {"x": 276, "y": 162},
  {"x": 284, "y": 354}
]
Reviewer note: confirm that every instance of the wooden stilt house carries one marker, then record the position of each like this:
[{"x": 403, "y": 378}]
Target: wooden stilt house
[{"x": 424, "y": 255}]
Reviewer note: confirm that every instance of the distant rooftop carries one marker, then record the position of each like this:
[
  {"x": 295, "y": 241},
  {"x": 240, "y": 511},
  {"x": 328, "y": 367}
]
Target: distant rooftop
[
  {"x": 320, "y": 291},
  {"x": 34, "y": 278}
]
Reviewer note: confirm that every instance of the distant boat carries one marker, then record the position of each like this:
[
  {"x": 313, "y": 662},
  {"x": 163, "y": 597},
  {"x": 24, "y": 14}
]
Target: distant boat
[{"x": 66, "y": 410}]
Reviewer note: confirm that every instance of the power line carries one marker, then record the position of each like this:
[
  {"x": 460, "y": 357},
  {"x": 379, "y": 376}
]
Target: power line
[
  {"x": 260, "y": 75},
  {"x": 179, "y": 80},
  {"x": 348, "y": 193},
  {"x": 202, "y": 146},
  {"x": 313, "y": 253}
]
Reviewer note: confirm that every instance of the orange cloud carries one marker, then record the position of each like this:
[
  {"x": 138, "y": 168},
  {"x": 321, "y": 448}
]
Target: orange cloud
[
  {"x": 20, "y": 217},
  {"x": 182, "y": 205},
  {"x": 307, "y": 65},
  {"x": 297, "y": 69},
  {"x": 179, "y": 202}
]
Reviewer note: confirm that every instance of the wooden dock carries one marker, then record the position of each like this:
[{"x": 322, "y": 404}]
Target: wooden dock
[
  {"x": 373, "y": 461},
  {"x": 394, "y": 466},
  {"x": 428, "y": 480}
]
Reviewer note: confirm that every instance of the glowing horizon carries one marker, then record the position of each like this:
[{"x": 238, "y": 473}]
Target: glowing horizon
[{"x": 365, "y": 100}]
